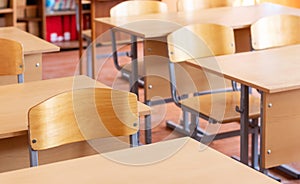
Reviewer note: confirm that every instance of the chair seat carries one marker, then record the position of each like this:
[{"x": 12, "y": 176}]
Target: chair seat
[
  {"x": 221, "y": 107},
  {"x": 127, "y": 68}
]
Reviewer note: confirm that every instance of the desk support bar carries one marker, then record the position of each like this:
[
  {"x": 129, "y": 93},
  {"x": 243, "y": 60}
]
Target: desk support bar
[
  {"x": 134, "y": 67},
  {"x": 244, "y": 110}
]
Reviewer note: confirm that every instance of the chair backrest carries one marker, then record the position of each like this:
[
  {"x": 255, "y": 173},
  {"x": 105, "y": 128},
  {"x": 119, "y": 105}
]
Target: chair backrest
[
  {"x": 275, "y": 31},
  {"x": 12, "y": 58},
  {"x": 82, "y": 114},
  {"x": 191, "y": 5},
  {"x": 198, "y": 41},
  {"x": 130, "y": 8}
]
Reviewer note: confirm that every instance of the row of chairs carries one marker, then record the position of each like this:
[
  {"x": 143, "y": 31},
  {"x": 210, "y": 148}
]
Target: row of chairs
[
  {"x": 268, "y": 32},
  {"x": 216, "y": 40},
  {"x": 283, "y": 28},
  {"x": 72, "y": 116}
]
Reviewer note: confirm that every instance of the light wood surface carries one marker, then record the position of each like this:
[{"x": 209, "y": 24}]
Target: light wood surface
[
  {"x": 12, "y": 57},
  {"x": 191, "y": 5},
  {"x": 159, "y": 25},
  {"x": 31, "y": 43},
  {"x": 82, "y": 114},
  {"x": 154, "y": 26},
  {"x": 281, "y": 128},
  {"x": 17, "y": 99},
  {"x": 33, "y": 47},
  {"x": 130, "y": 8},
  {"x": 199, "y": 41},
  {"x": 273, "y": 69},
  {"x": 275, "y": 31},
  {"x": 162, "y": 161},
  {"x": 221, "y": 106},
  {"x": 291, "y": 3}
]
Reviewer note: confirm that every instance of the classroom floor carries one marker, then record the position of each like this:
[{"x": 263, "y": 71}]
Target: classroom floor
[{"x": 66, "y": 63}]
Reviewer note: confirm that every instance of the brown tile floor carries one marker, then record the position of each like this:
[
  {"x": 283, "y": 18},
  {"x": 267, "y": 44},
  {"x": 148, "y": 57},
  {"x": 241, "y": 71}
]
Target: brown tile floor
[{"x": 66, "y": 64}]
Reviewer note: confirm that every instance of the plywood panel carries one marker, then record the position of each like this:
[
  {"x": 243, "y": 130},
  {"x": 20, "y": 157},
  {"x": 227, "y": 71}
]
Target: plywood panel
[
  {"x": 291, "y": 3},
  {"x": 242, "y": 40},
  {"x": 281, "y": 128},
  {"x": 32, "y": 72},
  {"x": 156, "y": 69},
  {"x": 14, "y": 151}
]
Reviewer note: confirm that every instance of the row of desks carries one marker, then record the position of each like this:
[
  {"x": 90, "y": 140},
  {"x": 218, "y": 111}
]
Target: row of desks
[{"x": 273, "y": 72}]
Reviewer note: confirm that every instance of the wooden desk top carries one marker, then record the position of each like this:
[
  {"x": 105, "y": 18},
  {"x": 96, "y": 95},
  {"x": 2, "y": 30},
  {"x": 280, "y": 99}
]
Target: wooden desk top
[
  {"x": 32, "y": 44},
  {"x": 154, "y": 25},
  {"x": 17, "y": 99},
  {"x": 183, "y": 162},
  {"x": 271, "y": 71}
]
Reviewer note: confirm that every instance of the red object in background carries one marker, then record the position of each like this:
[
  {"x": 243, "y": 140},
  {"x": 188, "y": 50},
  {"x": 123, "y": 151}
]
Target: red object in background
[
  {"x": 67, "y": 24},
  {"x": 73, "y": 29},
  {"x": 60, "y": 25},
  {"x": 53, "y": 25}
]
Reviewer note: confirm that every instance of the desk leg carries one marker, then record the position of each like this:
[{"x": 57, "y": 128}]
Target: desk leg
[
  {"x": 134, "y": 67},
  {"x": 244, "y": 110},
  {"x": 89, "y": 66}
]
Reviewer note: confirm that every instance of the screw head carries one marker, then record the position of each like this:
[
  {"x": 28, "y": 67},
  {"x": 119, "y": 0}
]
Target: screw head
[
  {"x": 270, "y": 105},
  {"x": 37, "y": 64},
  {"x": 150, "y": 86},
  {"x": 33, "y": 141},
  {"x": 269, "y": 152}
]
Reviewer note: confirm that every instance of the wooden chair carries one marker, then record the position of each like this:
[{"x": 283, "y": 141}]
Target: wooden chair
[
  {"x": 12, "y": 58},
  {"x": 130, "y": 8},
  {"x": 191, "y": 5},
  {"x": 275, "y": 31},
  {"x": 79, "y": 115},
  {"x": 199, "y": 41}
]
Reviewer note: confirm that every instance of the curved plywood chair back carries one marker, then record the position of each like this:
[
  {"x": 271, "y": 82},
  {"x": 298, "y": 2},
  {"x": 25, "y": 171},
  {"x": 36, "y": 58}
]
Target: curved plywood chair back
[
  {"x": 275, "y": 31},
  {"x": 82, "y": 114},
  {"x": 130, "y": 8},
  {"x": 11, "y": 56}
]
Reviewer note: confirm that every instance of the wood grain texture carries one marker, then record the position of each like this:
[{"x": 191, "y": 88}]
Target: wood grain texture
[
  {"x": 220, "y": 107},
  {"x": 17, "y": 99},
  {"x": 31, "y": 43},
  {"x": 11, "y": 56},
  {"x": 179, "y": 154},
  {"x": 281, "y": 128},
  {"x": 160, "y": 25},
  {"x": 291, "y": 3},
  {"x": 275, "y": 31},
  {"x": 191, "y": 5},
  {"x": 200, "y": 40},
  {"x": 130, "y": 8},
  {"x": 82, "y": 114}
]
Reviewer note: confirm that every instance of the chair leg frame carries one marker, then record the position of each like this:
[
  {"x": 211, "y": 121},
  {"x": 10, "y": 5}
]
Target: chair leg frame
[{"x": 33, "y": 157}]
